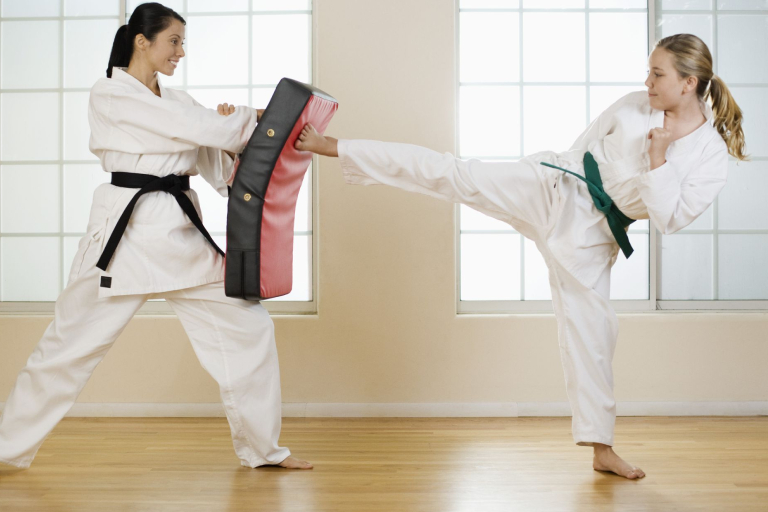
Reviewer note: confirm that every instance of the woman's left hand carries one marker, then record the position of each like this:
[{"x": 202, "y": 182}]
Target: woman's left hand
[{"x": 226, "y": 109}]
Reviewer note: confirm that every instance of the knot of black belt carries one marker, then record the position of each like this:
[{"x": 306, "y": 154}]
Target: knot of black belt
[
  {"x": 617, "y": 221},
  {"x": 173, "y": 184}
]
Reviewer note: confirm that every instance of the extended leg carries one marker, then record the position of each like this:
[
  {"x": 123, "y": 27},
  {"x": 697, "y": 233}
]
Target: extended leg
[{"x": 235, "y": 342}]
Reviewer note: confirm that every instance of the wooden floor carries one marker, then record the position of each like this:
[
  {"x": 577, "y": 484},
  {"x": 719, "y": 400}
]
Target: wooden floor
[{"x": 461, "y": 465}]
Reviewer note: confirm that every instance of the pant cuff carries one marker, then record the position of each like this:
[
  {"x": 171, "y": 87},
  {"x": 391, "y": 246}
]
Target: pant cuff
[
  {"x": 590, "y": 440},
  {"x": 259, "y": 461}
]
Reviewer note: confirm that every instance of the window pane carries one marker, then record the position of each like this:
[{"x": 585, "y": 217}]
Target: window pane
[
  {"x": 740, "y": 38},
  {"x": 490, "y": 267},
  {"x": 217, "y": 5},
  {"x": 80, "y": 182},
  {"x": 280, "y": 44},
  {"x": 686, "y": 267},
  {"x": 630, "y": 278},
  {"x": 303, "y": 216},
  {"x": 213, "y": 206},
  {"x": 29, "y": 128},
  {"x": 176, "y": 5},
  {"x": 30, "y": 54},
  {"x": 553, "y": 4},
  {"x": 753, "y": 101},
  {"x": 489, "y": 121},
  {"x": 302, "y": 263},
  {"x": 536, "y": 274},
  {"x": 618, "y": 4},
  {"x": 261, "y": 96},
  {"x": 618, "y": 47},
  {"x": 679, "y": 5},
  {"x": 76, "y": 129},
  {"x": 29, "y": 268},
  {"x": 742, "y": 5},
  {"x": 742, "y": 267},
  {"x": 26, "y": 9},
  {"x": 553, "y": 132},
  {"x": 490, "y": 47},
  {"x": 92, "y": 8},
  {"x": 87, "y": 45},
  {"x": 742, "y": 203},
  {"x": 28, "y": 208},
  {"x": 476, "y": 221},
  {"x": 211, "y": 98},
  {"x": 603, "y": 96},
  {"x": 218, "y": 50},
  {"x": 489, "y": 4},
  {"x": 553, "y": 47},
  {"x": 697, "y": 24},
  {"x": 281, "y": 5}
]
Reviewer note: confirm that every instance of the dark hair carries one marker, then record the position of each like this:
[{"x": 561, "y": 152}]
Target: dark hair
[{"x": 148, "y": 19}]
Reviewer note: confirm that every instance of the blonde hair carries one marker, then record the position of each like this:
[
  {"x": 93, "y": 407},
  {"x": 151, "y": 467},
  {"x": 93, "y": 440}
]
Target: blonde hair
[{"x": 692, "y": 58}]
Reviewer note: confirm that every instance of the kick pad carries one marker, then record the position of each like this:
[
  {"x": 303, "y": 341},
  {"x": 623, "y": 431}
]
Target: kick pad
[{"x": 262, "y": 199}]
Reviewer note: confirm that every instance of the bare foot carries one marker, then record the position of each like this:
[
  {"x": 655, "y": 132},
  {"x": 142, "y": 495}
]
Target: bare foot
[
  {"x": 294, "y": 463},
  {"x": 607, "y": 460},
  {"x": 310, "y": 140}
]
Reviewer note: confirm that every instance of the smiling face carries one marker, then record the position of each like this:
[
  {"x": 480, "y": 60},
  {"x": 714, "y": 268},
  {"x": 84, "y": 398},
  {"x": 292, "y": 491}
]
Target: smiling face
[
  {"x": 666, "y": 88},
  {"x": 165, "y": 52}
]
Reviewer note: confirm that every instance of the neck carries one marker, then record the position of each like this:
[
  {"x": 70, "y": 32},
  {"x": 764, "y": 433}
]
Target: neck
[
  {"x": 142, "y": 72},
  {"x": 688, "y": 109}
]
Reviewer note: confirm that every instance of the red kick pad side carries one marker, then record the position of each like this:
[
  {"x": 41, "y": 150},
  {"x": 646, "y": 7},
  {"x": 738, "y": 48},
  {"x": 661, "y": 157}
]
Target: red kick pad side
[{"x": 276, "y": 269}]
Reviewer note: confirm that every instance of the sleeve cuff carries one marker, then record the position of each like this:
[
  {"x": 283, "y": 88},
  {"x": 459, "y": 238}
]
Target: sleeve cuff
[
  {"x": 352, "y": 173},
  {"x": 229, "y": 167}
]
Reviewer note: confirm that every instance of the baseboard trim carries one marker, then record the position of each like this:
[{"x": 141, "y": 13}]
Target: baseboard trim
[{"x": 419, "y": 410}]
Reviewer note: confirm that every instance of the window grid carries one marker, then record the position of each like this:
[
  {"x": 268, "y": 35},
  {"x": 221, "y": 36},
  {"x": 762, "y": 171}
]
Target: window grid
[
  {"x": 160, "y": 307},
  {"x": 523, "y": 304},
  {"x": 714, "y": 302}
]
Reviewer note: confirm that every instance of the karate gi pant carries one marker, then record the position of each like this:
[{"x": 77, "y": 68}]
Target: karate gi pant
[
  {"x": 550, "y": 210},
  {"x": 233, "y": 339}
]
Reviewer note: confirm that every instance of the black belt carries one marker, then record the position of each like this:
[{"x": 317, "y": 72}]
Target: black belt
[{"x": 173, "y": 184}]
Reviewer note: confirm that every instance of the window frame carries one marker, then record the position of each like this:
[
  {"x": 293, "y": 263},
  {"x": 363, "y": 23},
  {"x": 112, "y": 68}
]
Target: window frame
[
  {"x": 653, "y": 303},
  {"x": 160, "y": 307}
]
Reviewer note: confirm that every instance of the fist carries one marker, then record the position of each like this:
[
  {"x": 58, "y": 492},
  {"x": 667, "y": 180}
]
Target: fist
[
  {"x": 660, "y": 141},
  {"x": 225, "y": 109}
]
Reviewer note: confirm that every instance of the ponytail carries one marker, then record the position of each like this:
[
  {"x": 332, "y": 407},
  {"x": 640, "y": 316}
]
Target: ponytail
[
  {"x": 728, "y": 117},
  {"x": 148, "y": 19},
  {"x": 122, "y": 49},
  {"x": 692, "y": 58}
]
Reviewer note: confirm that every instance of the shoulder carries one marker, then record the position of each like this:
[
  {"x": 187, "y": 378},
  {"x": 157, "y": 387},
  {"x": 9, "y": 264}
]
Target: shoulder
[{"x": 634, "y": 101}]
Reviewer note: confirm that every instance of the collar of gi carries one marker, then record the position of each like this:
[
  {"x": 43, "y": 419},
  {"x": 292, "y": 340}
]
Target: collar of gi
[
  {"x": 121, "y": 74},
  {"x": 657, "y": 121}
]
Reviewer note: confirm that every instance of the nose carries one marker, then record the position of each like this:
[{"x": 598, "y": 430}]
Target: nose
[
  {"x": 181, "y": 53},
  {"x": 648, "y": 82}
]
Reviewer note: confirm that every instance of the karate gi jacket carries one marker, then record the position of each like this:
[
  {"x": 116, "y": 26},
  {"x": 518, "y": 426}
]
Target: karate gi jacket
[{"x": 135, "y": 131}]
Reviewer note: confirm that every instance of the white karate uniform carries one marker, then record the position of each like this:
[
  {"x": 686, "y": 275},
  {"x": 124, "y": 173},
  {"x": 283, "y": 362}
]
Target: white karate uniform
[
  {"x": 556, "y": 212},
  {"x": 161, "y": 255}
]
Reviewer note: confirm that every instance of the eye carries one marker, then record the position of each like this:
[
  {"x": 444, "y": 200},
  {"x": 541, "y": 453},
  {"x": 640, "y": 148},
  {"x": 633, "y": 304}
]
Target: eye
[{"x": 657, "y": 75}]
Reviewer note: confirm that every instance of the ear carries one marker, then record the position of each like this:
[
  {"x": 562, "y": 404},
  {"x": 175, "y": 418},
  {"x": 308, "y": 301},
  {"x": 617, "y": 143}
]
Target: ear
[
  {"x": 141, "y": 41},
  {"x": 691, "y": 83}
]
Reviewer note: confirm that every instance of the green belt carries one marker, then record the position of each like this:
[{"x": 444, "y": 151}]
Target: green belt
[{"x": 617, "y": 221}]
